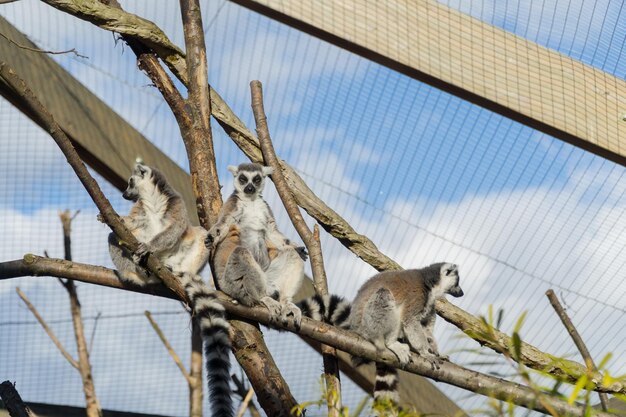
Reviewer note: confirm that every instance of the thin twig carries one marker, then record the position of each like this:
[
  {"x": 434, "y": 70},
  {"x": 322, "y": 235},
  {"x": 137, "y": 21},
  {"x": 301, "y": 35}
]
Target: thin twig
[
  {"x": 13, "y": 402},
  {"x": 93, "y": 330},
  {"x": 244, "y": 404},
  {"x": 42, "y": 51},
  {"x": 46, "y": 328},
  {"x": 346, "y": 341},
  {"x": 241, "y": 391},
  {"x": 168, "y": 347},
  {"x": 578, "y": 341},
  {"x": 311, "y": 240}
]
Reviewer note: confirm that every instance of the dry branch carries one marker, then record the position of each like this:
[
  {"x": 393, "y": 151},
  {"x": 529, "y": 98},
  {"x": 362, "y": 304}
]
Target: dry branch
[
  {"x": 116, "y": 20},
  {"x": 47, "y": 328},
  {"x": 578, "y": 341},
  {"x": 340, "y": 339},
  {"x": 93, "y": 407},
  {"x": 244, "y": 404},
  {"x": 243, "y": 392},
  {"x": 311, "y": 240},
  {"x": 13, "y": 402},
  {"x": 168, "y": 347}
]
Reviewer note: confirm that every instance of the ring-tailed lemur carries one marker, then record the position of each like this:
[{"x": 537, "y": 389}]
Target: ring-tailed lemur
[
  {"x": 159, "y": 221},
  {"x": 253, "y": 261},
  {"x": 390, "y": 307}
]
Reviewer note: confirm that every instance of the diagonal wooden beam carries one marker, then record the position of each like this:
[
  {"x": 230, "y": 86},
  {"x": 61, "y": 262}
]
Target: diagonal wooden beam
[
  {"x": 473, "y": 60},
  {"x": 103, "y": 139},
  {"x": 108, "y": 144}
]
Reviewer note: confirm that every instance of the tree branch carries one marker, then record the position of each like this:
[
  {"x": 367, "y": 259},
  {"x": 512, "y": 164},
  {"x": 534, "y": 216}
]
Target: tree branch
[
  {"x": 116, "y": 20},
  {"x": 578, "y": 341},
  {"x": 244, "y": 404},
  {"x": 47, "y": 328},
  {"x": 202, "y": 157},
  {"x": 168, "y": 347},
  {"x": 340, "y": 339},
  {"x": 93, "y": 407},
  {"x": 41, "y": 51},
  {"x": 311, "y": 240}
]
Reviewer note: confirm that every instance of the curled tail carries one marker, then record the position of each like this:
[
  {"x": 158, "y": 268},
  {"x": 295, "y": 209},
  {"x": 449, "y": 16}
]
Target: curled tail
[
  {"x": 386, "y": 384},
  {"x": 214, "y": 329},
  {"x": 331, "y": 309}
]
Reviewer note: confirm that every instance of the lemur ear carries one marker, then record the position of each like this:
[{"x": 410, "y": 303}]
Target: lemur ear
[
  {"x": 141, "y": 169},
  {"x": 267, "y": 171},
  {"x": 232, "y": 169}
]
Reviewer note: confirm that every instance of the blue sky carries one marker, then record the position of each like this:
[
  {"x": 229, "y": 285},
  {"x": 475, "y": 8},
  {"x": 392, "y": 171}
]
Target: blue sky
[{"x": 426, "y": 175}]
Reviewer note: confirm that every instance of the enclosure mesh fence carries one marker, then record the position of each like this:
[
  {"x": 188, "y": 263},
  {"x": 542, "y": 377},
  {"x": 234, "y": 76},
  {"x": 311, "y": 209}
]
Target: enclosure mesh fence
[{"x": 426, "y": 175}]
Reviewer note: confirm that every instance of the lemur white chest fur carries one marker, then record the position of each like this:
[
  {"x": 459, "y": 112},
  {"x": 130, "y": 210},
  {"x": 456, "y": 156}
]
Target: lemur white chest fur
[{"x": 154, "y": 205}]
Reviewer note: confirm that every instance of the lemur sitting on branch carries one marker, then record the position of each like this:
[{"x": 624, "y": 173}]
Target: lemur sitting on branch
[
  {"x": 253, "y": 261},
  {"x": 158, "y": 219}
]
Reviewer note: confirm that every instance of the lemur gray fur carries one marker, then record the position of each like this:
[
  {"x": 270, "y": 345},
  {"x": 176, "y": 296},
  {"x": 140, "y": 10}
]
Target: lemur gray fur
[
  {"x": 159, "y": 221},
  {"x": 253, "y": 261},
  {"x": 391, "y": 309}
]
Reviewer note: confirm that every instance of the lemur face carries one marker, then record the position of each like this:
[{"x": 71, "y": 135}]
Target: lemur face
[
  {"x": 250, "y": 178},
  {"x": 140, "y": 176},
  {"x": 449, "y": 279}
]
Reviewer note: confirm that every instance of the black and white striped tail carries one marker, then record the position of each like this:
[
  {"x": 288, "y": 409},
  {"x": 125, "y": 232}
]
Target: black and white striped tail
[
  {"x": 330, "y": 309},
  {"x": 386, "y": 384},
  {"x": 214, "y": 328}
]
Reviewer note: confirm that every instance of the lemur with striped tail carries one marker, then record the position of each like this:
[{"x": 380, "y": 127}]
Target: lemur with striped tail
[
  {"x": 158, "y": 219},
  {"x": 394, "y": 310}
]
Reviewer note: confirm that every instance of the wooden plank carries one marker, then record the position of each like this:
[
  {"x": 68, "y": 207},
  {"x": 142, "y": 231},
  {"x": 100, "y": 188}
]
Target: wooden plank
[
  {"x": 478, "y": 62},
  {"x": 110, "y": 145},
  {"x": 105, "y": 141}
]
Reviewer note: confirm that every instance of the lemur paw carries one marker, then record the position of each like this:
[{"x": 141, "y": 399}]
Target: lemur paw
[
  {"x": 301, "y": 250},
  {"x": 434, "y": 360},
  {"x": 402, "y": 352},
  {"x": 140, "y": 253},
  {"x": 291, "y": 312},
  {"x": 213, "y": 236},
  {"x": 273, "y": 306},
  {"x": 100, "y": 218}
]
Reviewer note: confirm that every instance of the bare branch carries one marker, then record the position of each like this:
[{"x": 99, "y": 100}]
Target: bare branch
[
  {"x": 47, "y": 328},
  {"x": 244, "y": 404},
  {"x": 116, "y": 20},
  {"x": 311, "y": 240},
  {"x": 93, "y": 407},
  {"x": 340, "y": 339},
  {"x": 241, "y": 391},
  {"x": 578, "y": 341},
  {"x": 13, "y": 402},
  {"x": 168, "y": 347},
  {"x": 201, "y": 153},
  {"x": 28, "y": 48}
]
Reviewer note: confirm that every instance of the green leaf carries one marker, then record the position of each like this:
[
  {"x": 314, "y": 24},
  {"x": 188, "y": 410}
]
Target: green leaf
[
  {"x": 582, "y": 381},
  {"x": 517, "y": 346},
  {"x": 605, "y": 360},
  {"x": 520, "y": 322}
]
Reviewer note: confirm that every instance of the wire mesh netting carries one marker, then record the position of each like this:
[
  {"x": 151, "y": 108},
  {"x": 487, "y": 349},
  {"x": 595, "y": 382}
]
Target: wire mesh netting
[{"x": 426, "y": 175}]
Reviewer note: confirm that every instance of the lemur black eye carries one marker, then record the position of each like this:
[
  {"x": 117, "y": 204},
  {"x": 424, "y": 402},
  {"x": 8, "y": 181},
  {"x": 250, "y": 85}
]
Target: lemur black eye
[
  {"x": 257, "y": 180},
  {"x": 449, "y": 271},
  {"x": 243, "y": 179}
]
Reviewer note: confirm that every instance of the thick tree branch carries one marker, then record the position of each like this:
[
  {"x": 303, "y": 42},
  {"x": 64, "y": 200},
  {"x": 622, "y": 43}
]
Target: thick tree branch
[
  {"x": 340, "y": 339},
  {"x": 311, "y": 240},
  {"x": 47, "y": 328},
  {"x": 93, "y": 407},
  {"x": 202, "y": 158},
  {"x": 578, "y": 341}
]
